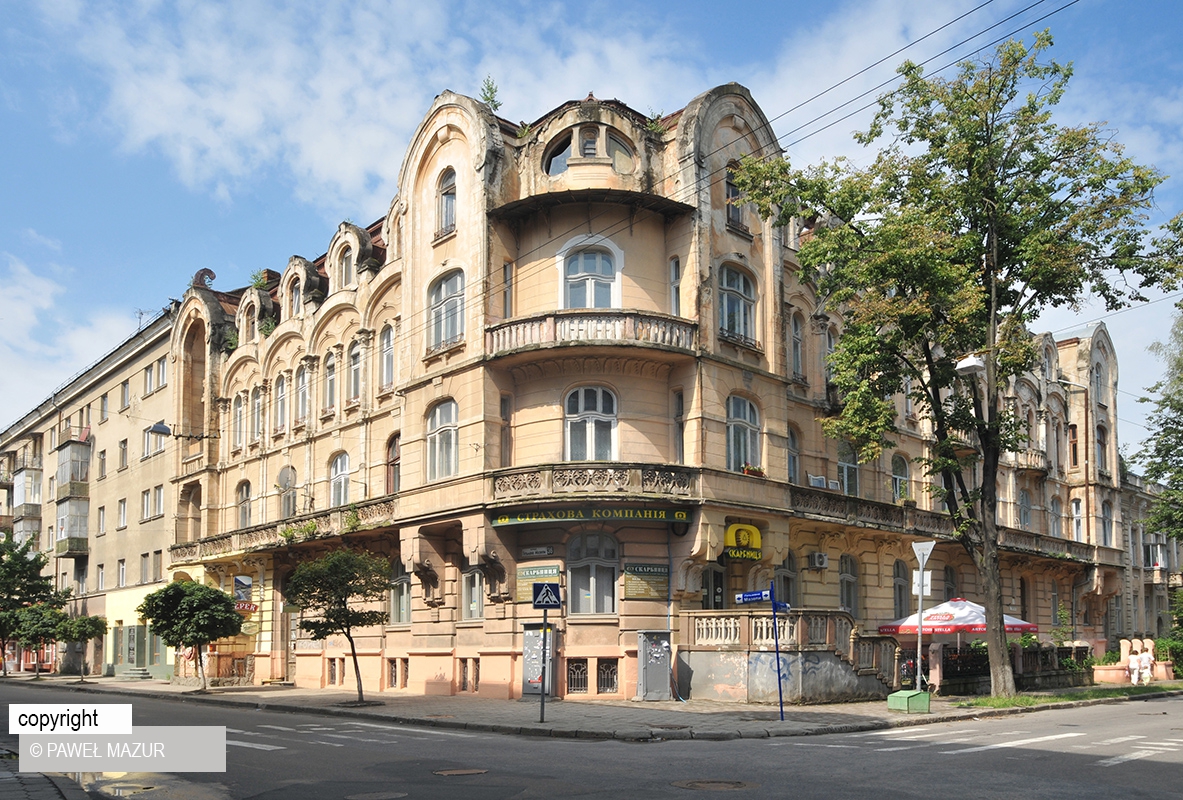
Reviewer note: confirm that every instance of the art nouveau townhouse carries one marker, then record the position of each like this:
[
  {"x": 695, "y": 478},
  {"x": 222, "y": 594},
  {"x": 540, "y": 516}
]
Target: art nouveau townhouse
[{"x": 87, "y": 480}]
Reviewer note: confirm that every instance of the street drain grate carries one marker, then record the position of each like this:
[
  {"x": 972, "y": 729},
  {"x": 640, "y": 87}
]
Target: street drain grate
[
  {"x": 376, "y": 796},
  {"x": 450, "y": 773},
  {"x": 714, "y": 786}
]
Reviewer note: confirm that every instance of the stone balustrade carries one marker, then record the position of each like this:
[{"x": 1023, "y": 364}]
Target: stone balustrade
[{"x": 606, "y": 326}]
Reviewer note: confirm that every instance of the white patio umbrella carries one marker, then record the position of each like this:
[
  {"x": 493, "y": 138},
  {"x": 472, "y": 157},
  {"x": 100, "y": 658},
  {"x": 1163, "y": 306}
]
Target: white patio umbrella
[{"x": 955, "y": 616}]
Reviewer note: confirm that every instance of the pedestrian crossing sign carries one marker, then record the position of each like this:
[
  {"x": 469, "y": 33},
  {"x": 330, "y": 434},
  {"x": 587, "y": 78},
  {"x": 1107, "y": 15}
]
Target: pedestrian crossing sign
[{"x": 546, "y": 595}]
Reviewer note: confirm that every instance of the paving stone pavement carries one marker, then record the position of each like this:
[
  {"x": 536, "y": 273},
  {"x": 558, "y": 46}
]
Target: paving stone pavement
[{"x": 32, "y": 785}]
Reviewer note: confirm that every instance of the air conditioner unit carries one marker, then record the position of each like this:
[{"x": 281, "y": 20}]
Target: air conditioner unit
[{"x": 819, "y": 561}]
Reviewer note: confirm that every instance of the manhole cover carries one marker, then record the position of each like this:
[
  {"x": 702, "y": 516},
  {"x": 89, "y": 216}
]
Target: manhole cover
[
  {"x": 449, "y": 773},
  {"x": 714, "y": 786},
  {"x": 376, "y": 796}
]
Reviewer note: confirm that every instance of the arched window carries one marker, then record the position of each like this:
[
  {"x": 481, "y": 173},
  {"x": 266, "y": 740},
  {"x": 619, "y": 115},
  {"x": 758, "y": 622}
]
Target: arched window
[
  {"x": 1055, "y": 518},
  {"x": 556, "y": 157},
  {"x": 848, "y": 469},
  {"x": 1077, "y": 521},
  {"x": 354, "y": 386},
  {"x": 286, "y": 482},
  {"x": 899, "y": 478},
  {"x": 346, "y": 266},
  {"x": 1106, "y": 524},
  {"x": 901, "y": 591},
  {"x": 797, "y": 348},
  {"x": 447, "y": 208},
  {"x": 249, "y": 321},
  {"x": 950, "y": 583},
  {"x": 400, "y": 594},
  {"x": 393, "y": 464},
  {"x": 339, "y": 480},
  {"x": 473, "y": 600},
  {"x": 590, "y": 279},
  {"x": 1102, "y": 448},
  {"x": 1073, "y": 452},
  {"x": 301, "y": 395},
  {"x": 734, "y": 203},
  {"x": 446, "y": 303},
  {"x": 242, "y": 499},
  {"x": 281, "y": 403},
  {"x": 294, "y": 299},
  {"x": 1025, "y": 509},
  {"x": 443, "y": 445},
  {"x": 737, "y": 306},
  {"x": 236, "y": 422},
  {"x": 621, "y": 155},
  {"x": 256, "y": 414},
  {"x": 1099, "y": 383},
  {"x": 386, "y": 351},
  {"x": 743, "y": 434},
  {"x": 592, "y": 561},
  {"x": 848, "y": 584},
  {"x": 786, "y": 580},
  {"x": 330, "y": 383},
  {"x": 590, "y": 422},
  {"x": 793, "y": 454}
]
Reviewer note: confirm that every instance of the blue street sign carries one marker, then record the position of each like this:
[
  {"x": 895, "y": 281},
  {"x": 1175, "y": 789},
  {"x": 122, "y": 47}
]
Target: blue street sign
[
  {"x": 781, "y": 607},
  {"x": 546, "y": 595},
  {"x": 753, "y": 597}
]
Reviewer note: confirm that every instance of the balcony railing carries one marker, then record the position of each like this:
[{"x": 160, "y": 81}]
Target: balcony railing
[
  {"x": 71, "y": 546},
  {"x": 26, "y": 461},
  {"x": 582, "y": 326},
  {"x": 27, "y": 511},
  {"x": 601, "y": 478},
  {"x": 1027, "y": 460}
]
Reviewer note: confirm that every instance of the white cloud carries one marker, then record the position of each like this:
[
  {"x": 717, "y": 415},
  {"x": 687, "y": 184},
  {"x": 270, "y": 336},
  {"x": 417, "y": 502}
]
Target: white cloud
[{"x": 43, "y": 241}]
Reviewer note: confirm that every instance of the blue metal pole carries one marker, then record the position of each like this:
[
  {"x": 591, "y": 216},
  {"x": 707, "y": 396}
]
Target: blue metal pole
[{"x": 780, "y": 692}]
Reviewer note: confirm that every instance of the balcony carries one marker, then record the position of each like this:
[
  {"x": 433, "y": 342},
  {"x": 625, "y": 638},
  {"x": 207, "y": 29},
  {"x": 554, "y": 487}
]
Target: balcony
[
  {"x": 72, "y": 547},
  {"x": 615, "y": 479},
  {"x": 26, "y": 511},
  {"x": 1028, "y": 542},
  {"x": 25, "y": 460},
  {"x": 5, "y": 479},
  {"x": 558, "y": 329},
  {"x": 69, "y": 489},
  {"x": 1027, "y": 461}
]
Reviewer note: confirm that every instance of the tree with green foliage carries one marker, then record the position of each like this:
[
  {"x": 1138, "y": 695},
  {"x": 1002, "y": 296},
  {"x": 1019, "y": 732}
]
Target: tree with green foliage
[
  {"x": 328, "y": 586},
  {"x": 1162, "y": 453},
  {"x": 489, "y": 93},
  {"x": 81, "y": 630},
  {"x": 37, "y": 626},
  {"x": 977, "y": 214},
  {"x": 22, "y": 585},
  {"x": 189, "y": 614}
]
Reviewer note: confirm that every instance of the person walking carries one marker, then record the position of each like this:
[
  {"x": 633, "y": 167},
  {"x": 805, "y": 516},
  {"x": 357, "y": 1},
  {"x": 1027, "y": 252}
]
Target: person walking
[
  {"x": 1146, "y": 663},
  {"x": 1134, "y": 667}
]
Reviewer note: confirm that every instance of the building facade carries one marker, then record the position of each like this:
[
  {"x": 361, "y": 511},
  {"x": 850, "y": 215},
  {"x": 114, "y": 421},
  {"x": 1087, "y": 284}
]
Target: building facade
[{"x": 568, "y": 354}]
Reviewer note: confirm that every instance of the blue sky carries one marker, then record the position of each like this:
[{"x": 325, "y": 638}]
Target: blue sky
[{"x": 145, "y": 140}]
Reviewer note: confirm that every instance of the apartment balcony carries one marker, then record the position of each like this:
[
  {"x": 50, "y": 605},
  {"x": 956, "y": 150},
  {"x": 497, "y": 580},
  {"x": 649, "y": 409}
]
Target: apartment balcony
[
  {"x": 26, "y": 511},
  {"x": 73, "y": 434},
  {"x": 592, "y": 327},
  {"x": 71, "y": 489},
  {"x": 1027, "y": 461},
  {"x": 596, "y": 480},
  {"x": 1067, "y": 549},
  {"x": 72, "y": 547},
  {"x": 26, "y": 461},
  {"x": 1156, "y": 576},
  {"x": 5, "y": 479}
]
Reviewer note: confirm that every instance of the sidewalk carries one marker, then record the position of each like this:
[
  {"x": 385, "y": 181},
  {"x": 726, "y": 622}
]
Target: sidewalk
[
  {"x": 635, "y": 721},
  {"x": 32, "y": 785}
]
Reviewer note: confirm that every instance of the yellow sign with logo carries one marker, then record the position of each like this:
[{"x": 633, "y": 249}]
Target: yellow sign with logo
[{"x": 742, "y": 542}]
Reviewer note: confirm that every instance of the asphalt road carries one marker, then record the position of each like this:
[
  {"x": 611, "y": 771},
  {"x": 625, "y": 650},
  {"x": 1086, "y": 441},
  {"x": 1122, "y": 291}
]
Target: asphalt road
[{"x": 1127, "y": 749}]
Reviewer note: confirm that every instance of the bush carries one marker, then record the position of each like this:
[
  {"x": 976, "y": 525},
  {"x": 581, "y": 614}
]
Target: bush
[{"x": 1111, "y": 657}]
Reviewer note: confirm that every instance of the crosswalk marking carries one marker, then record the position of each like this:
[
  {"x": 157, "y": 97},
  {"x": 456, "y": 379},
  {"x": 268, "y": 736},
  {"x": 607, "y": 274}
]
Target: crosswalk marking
[
  {"x": 1109, "y": 762},
  {"x": 1018, "y": 743},
  {"x": 255, "y": 745},
  {"x": 1121, "y": 739},
  {"x": 280, "y": 728}
]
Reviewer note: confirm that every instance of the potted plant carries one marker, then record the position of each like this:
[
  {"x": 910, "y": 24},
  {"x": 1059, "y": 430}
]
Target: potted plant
[{"x": 752, "y": 469}]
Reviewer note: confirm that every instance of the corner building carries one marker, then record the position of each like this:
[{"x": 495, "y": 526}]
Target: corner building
[{"x": 566, "y": 355}]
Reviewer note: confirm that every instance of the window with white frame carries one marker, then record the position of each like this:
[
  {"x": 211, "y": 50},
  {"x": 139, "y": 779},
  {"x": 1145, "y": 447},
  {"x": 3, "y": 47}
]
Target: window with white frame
[
  {"x": 124, "y": 395},
  {"x": 443, "y": 443},
  {"x": 236, "y": 422},
  {"x": 786, "y": 577},
  {"x": 102, "y": 520},
  {"x": 256, "y": 414},
  {"x": 101, "y": 578},
  {"x": 899, "y": 478},
  {"x": 592, "y": 562},
  {"x": 121, "y": 513},
  {"x": 400, "y": 594},
  {"x": 737, "y": 306},
  {"x": 589, "y": 279},
  {"x": 797, "y": 347},
  {"x": 447, "y": 202},
  {"x": 353, "y": 388},
  {"x": 122, "y": 576},
  {"x": 743, "y": 434},
  {"x": 281, "y": 403},
  {"x": 145, "y": 504},
  {"x": 158, "y": 500},
  {"x": 161, "y": 371},
  {"x": 1055, "y": 518},
  {"x": 473, "y": 594},
  {"x": 286, "y": 483},
  {"x": 446, "y": 310},
  {"x": 294, "y": 299},
  {"x": 590, "y": 424},
  {"x": 675, "y": 287},
  {"x": 149, "y": 379},
  {"x": 386, "y": 357},
  {"x": 104, "y": 408},
  {"x": 1025, "y": 509},
  {"x": 1077, "y": 521},
  {"x": 848, "y": 590},
  {"x": 339, "y": 480},
  {"x": 329, "y": 401},
  {"x": 347, "y": 275},
  {"x": 301, "y": 395},
  {"x": 793, "y": 455},
  {"x": 848, "y": 469},
  {"x": 1106, "y": 524},
  {"x": 901, "y": 590},
  {"x": 242, "y": 498}
]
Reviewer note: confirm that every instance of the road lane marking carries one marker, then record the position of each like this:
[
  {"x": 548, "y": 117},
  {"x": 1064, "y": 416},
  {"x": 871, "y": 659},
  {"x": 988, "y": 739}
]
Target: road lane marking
[
  {"x": 909, "y": 733},
  {"x": 255, "y": 745},
  {"x": 330, "y": 744},
  {"x": 280, "y": 728},
  {"x": 1109, "y": 762},
  {"x": 1018, "y": 743},
  {"x": 923, "y": 744},
  {"x": 814, "y": 744},
  {"x": 401, "y": 728},
  {"x": 1121, "y": 739}
]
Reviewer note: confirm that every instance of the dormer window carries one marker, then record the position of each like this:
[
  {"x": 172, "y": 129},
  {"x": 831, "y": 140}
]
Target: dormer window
[
  {"x": 556, "y": 159},
  {"x": 347, "y": 266}
]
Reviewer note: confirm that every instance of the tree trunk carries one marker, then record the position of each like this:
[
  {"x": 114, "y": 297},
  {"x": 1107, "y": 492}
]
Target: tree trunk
[
  {"x": 356, "y": 668},
  {"x": 200, "y": 667},
  {"x": 1002, "y": 675},
  {"x": 36, "y": 665}
]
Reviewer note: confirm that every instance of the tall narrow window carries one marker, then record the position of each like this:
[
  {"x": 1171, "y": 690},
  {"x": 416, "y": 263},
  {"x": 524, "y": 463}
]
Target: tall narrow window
[
  {"x": 250, "y": 322},
  {"x": 734, "y": 203},
  {"x": 899, "y": 478},
  {"x": 1102, "y": 449},
  {"x": 330, "y": 382},
  {"x": 590, "y": 279},
  {"x": 443, "y": 447},
  {"x": 1106, "y": 524},
  {"x": 447, "y": 210},
  {"x": 104, "y": 409},
  {"x": 1055, "y": 518},
  {"x": 339, "y": 480},
  {"x": 294, "y": 299},
  {"x": 679, "y": 428},
  {"x": 848, "y": 469},
  {"x": 354, "y": 388},
  {"x": 793, "y": 455},
  {"x": 950, "y": 583},
  {"x": 743, "y": 434},
  {"x": 386, "y": 354},
  {"x": 592, "y": 561},
  {"x": 786, "y": 580},
  {"x": 507, "y": 289},
  {"x": 588, "y": 138},
  {"x": 287, "y": 492},
  {"x": 675, "y": 287},
  {"x": 256, "y": 414},
  {"x": 737, "y": 305},
  {"x": 474, "y": 594},
  {"x": 281, "y": 403},
  {"x": 393, "y": 465},
  {"x": 243, "y": 501},
  {"x": 901, "y": 590},
  {"x": 1073, "y": 453},
  {"x": 506, "y": 430},
  {"x": 909, "y": 407},
  {"x": 591, "y": 424},
  {"x": 236, "y": 422},
  {"x": 848, "y": 584},
  {"x": 301, "y": 395},
  {"x": 1025, "y": 509},
  {"x": 831, "y": 345},
  {"x": 346, "y": 266},
  {"x": 1077, "y": 521},
  {"x": 446, "y": 301},
  {"x": 400, "y": 594},
  {"x": 797, "y": 348}
]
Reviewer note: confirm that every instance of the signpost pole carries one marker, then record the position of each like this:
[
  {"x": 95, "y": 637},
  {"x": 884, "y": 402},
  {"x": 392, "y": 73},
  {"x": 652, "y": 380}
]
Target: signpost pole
[
  {"x": 780, "y": 694},
  {"x": 922, "y": 550},
  {"x": 542, "y": 697}
]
